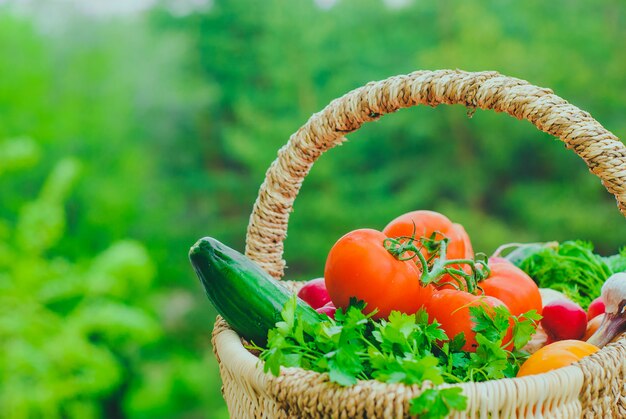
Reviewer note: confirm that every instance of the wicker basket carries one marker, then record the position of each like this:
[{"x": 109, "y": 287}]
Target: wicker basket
[{"x": 594, "y": 387}]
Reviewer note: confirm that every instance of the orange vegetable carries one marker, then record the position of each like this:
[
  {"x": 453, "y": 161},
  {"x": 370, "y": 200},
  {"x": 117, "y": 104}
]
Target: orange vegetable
[
  {"x": 358, "y": 266},
  {"x": 423, "y": 223},
  {"x": 556, "y": 355},
  {"x": 593, "y": 325},
  {"x": 451, "y": 308},
  {"x": 513, "y": 287}
]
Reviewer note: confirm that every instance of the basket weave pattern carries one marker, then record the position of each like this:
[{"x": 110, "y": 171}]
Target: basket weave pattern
[{"x": 594, "y": 387}]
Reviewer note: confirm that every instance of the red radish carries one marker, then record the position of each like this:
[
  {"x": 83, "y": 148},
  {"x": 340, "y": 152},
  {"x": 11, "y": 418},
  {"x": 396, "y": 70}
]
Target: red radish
[
  {"x": 314, "y": 293},
  {"x": 548, "y": 295},
  {"x": 595, "y": 308},
  {"x": 329, "y": 309},
  {"x": 563, "y": 320}
]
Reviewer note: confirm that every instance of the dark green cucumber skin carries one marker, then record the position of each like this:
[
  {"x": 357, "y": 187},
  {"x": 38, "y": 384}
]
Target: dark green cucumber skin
[{"x": 246, "y": 296}]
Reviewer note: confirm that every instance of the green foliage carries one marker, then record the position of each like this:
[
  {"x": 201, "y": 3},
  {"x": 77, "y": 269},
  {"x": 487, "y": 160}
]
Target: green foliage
[
  {"x": 617, "y": 263},
  {"x": 68, "y": 335},
  {"x": 17, "y": 154},
  {"x": 433, "y": 403},
  {"x": 572, "y": 268}
]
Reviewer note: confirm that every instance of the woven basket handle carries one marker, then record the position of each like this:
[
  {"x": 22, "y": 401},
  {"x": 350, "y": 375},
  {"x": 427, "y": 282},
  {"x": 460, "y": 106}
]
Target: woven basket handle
[{"x": 601, "y": 150}]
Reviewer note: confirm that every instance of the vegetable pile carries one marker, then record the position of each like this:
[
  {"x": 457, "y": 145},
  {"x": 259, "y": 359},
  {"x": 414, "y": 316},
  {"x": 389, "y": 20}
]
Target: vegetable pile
[{"x": 413, "y": 304}]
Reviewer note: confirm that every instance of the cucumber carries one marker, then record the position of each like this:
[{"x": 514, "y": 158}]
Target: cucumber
[{"x": 246, "y": 296}]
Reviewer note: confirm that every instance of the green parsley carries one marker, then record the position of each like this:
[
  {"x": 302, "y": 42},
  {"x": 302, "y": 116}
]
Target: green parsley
[
  {"x": 437, "y": 403},
  {"x": 405, "y": 348}
]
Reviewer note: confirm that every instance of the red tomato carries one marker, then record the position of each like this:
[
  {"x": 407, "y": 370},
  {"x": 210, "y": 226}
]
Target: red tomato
[
  {"x": 513, "y": 287},
  {"x": 424, "y": 223},
  {"x": 462, "y": 236},
  {"x": 359, "y": 266},
  {"x": 451, "y": 309}
]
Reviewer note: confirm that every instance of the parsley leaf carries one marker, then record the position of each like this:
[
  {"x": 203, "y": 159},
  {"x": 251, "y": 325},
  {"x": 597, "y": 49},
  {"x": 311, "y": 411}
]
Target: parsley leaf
[
  {"x": 524, "y": 328},
  {"x": 489, "y": 361},
  {"x": 457, "y": 342},
  {"x": 393, "y": 335},
  {"x": 491, "y": 322},
  {"x": 345, "y": 365},
  {"x": 437, "y": 403},
  {"x": 492, "y": 360},
  {"x": 409, "y": 369}
]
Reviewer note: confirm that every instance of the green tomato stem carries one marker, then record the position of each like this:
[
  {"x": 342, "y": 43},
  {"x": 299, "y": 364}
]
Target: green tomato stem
[{"x": 437, "y": 265}]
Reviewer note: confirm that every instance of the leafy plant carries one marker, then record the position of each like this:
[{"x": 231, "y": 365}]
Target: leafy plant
[
  {"x": 69, "y": 335},
  {"x": 572, "y": 268}
]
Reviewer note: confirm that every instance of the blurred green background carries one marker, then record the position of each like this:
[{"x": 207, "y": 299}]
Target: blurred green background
[{"x": 128, "y": 129}]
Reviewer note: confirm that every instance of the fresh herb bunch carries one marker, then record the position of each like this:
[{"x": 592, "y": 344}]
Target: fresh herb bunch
[
  {"x": 570, "y": 267},
  {"x": 405, "y": 348}
]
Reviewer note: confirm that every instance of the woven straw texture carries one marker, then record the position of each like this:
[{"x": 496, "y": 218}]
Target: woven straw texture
[{"x": 594, "y": 387}]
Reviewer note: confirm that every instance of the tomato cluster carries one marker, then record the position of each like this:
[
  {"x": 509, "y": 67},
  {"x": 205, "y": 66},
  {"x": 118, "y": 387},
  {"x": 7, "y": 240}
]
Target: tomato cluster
[{"x": 423, "y": 260}]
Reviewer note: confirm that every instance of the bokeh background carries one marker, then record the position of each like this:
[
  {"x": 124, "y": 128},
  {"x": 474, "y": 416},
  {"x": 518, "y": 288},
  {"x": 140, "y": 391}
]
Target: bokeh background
[{"x": 128, "y": 129}]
